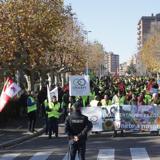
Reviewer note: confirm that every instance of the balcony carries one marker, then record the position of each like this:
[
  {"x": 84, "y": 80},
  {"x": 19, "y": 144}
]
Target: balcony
[
  {"x": 139, "y": 48},
  {"x": 139, "y": 38},
  {"x": 139, "y": 32},
  {"x": 139, "y": 27},
  {"x": 139, "y": 43}
]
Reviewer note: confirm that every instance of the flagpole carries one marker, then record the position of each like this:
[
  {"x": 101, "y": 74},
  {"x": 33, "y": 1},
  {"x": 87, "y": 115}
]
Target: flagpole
[
  {"x": 87, "y": 56},
  {"x": 48, "y": 94}
]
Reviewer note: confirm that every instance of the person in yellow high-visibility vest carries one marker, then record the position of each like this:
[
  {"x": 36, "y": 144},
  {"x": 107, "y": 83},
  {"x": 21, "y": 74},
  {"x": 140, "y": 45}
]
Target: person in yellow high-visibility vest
[
  {"x": 96, "y": 102},
  {"x": 106, "y": 101},
  {"x": 31, "y": 110},
  {"x": 53, "y": 116}
]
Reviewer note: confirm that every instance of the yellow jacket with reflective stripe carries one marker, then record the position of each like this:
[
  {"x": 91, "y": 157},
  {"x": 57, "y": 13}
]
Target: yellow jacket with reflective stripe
[
  {"x": 106, "y": 103},
  {"x": 94, "y": 103},
  {"x": 54, "y": 110},
  {"x": 32, "y": 105}
]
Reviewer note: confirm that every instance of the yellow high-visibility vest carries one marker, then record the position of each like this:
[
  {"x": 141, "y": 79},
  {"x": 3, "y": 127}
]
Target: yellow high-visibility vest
[
  {"x": 94, "y": 103},
  {"x": 54, "y": 110},
  {"x": 32, "y": 107},
  {"x": 104, "y": 102}
]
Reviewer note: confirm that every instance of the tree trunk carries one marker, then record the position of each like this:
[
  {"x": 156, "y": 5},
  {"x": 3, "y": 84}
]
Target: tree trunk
[
  {"x": 49, "y": 80},
  {"x": 40, "y": 83},
  {"x": 67, "y": 77},
  {"x": 55, "y": 80},
  {"x": 28, "y": 80},
  {"x": 157, "y": 76},
  {"x": 18, "y": 77},
  {"x": 62, "y": 79}
]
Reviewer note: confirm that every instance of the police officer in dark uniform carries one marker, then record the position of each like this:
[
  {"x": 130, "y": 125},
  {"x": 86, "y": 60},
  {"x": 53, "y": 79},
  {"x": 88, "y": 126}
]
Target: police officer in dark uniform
[{"x": 77, "y": 126}]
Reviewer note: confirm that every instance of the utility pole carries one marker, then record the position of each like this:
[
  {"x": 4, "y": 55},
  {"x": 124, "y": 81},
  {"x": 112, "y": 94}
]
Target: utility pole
[{"x": 87, "y": 65}]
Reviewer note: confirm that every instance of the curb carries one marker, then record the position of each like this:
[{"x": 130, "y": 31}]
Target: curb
[{"x": 21, "y": 139}]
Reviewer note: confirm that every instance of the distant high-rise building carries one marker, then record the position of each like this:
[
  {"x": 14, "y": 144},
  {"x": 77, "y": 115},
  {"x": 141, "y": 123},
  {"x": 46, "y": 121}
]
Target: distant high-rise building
[
  {"x": 147, "y": 27},
  {"x": 112, "y": 62},
  {"x": 106, "y": 62}
]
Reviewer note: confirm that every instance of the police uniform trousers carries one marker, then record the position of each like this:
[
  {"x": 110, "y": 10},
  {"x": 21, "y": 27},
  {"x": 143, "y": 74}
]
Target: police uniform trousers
[
  {"x": 79, "y": 146},
  {"x": 53, "y": 126},
  {"x": 32, "y": 120}
]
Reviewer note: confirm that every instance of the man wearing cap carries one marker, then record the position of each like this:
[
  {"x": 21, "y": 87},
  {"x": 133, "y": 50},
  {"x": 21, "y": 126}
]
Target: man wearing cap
[{"x": 77, "y": 126}]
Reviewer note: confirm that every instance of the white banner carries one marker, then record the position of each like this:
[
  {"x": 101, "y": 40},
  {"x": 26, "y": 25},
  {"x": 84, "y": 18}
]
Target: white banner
[
  {"x": 54, "y": 92},
  {"x": 94, "y": 114},
  {"x": 140, "y": 118},
  {"x": 127, "y": 117},
  {"x": 79, "y": 85},
  {"x": 111, "y": 117},
  {"x": 158, "y": 81}
]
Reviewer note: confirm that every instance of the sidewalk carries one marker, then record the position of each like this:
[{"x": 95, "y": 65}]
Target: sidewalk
[{"x": 17, "y": 131}]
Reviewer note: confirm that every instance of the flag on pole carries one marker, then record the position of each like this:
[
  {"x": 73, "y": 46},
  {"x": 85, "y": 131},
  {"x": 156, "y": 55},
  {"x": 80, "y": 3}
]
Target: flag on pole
[
  {"x": 79, "y": 85},
  {"x": 52, "y": 93},
  {"x": 10, "y": 89}
]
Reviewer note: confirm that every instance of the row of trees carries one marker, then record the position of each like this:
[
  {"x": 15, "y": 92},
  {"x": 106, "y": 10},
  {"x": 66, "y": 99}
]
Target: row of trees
[{"x": 42, "y": 37}]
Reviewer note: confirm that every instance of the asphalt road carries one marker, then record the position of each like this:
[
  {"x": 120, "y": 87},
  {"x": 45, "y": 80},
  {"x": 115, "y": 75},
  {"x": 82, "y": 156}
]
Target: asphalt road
[{"x": 99, "y": 147}]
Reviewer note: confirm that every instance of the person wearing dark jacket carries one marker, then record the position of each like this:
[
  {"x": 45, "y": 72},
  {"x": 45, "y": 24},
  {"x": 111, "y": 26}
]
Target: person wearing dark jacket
[{"x": 77, "y": 127}]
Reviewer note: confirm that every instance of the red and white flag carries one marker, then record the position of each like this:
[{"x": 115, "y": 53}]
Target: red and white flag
[{"x": 10, "y": 89}]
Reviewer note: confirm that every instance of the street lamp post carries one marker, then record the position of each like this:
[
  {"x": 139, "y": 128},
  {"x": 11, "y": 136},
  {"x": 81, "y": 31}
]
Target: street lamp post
[{"x": 87, "y": 65}]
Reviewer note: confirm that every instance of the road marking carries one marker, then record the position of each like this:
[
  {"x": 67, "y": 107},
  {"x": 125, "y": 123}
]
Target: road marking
[
  {"x": 106, "y": 154},
  {"x": 66, "y": 157},
  {"x": 40, "y": 156},
  {"x": 10, "y": 156},
  {"x": 139, "y": 154}
]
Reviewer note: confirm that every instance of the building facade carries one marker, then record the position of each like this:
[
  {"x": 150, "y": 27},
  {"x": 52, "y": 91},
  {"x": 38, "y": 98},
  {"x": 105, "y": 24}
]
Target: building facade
[
  {"x": 111, "y": 62},
  {"x": 147, "y": 27},
  {"x": 123, "y": 69}
]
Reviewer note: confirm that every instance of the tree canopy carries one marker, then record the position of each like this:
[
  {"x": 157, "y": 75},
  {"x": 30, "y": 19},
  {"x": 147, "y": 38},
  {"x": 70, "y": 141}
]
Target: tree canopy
[{"x": 150, "y": 53}]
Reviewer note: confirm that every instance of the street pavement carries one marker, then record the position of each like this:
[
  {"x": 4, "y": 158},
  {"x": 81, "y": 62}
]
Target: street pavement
[
  {"x": 99, "y": 147},
  {"x": 16, "y": 131}
]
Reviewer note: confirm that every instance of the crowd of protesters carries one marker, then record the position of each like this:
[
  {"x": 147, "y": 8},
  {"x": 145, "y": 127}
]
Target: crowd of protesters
[
  {"x": 121, "y": 90},
  {"x": 130, "y": 90},
  {"x": 105, "y": 91}
]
